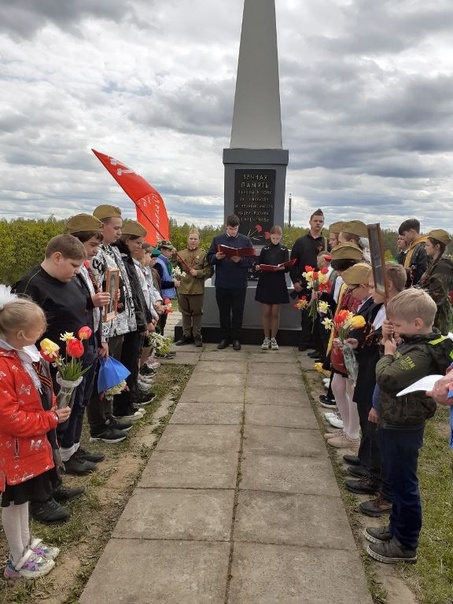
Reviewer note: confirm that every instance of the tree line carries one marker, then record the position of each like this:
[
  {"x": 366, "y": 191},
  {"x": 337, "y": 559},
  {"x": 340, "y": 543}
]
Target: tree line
[{"x": 24, "y": 241}]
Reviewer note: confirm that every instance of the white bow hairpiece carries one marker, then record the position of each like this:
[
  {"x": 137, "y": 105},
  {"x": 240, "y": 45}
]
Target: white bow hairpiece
[{"x": 6, "y": 296}]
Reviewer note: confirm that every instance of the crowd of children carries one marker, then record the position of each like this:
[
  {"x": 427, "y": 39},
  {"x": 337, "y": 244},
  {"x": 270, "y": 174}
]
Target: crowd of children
[
  {"x": 400, "y": 337},
  {"x": 373, "y": 346},
  {"x": 67, "y": 294}
]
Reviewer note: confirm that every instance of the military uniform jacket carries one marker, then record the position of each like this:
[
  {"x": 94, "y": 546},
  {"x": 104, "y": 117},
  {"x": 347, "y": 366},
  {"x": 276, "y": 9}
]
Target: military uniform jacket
[{"x": 198, "y": 260}]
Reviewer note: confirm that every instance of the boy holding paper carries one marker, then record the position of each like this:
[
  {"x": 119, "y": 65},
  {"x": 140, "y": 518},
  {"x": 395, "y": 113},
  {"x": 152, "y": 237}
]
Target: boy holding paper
[{"x": 420, "y": 352}]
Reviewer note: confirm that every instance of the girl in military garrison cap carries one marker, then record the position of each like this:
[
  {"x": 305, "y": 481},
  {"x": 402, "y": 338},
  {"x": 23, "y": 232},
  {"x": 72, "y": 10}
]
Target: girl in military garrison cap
[{"x": 437, "y": 280}]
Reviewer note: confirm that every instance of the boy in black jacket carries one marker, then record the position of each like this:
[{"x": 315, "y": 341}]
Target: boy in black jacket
[{"x": 402, "y": 419}]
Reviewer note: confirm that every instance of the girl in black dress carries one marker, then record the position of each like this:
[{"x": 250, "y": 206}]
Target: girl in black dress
[{"x": 272, "y": 290}]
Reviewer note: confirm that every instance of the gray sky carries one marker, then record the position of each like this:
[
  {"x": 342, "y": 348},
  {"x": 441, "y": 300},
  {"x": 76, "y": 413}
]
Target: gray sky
[{"x": 366, "y": 92}]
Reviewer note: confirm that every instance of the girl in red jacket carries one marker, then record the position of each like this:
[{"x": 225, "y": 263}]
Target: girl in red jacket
[{"x": 25, "y": 453}]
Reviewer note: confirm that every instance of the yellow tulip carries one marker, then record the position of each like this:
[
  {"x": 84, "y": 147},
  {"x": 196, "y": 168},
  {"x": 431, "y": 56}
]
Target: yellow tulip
[
  {"x": 357, "y": 322},
  {"x": 49, "y": 348}
]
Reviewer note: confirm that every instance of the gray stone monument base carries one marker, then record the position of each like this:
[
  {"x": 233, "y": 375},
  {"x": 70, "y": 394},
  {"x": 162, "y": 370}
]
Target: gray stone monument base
[{"x": 252, "y": 332}]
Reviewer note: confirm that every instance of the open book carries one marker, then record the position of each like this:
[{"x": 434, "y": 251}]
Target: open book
[
  {"x": 425, "y": 383},
  {"x": 236, "y": 251},
  {"x": 271, "y": 268}
]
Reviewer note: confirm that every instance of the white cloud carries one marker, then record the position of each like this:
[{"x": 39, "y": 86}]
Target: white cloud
[{"x": 367, "y": 113}]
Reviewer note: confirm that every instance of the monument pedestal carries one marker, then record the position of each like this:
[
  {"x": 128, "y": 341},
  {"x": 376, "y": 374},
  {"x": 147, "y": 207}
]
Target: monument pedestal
[{"x": 252, "y": 331}]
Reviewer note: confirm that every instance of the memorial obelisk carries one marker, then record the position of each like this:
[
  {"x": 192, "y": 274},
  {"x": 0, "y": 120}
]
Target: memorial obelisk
[{"x": 255, "y": 163}]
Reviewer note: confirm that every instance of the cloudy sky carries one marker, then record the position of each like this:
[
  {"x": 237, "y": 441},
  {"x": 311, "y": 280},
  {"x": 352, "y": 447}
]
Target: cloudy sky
[{"x": 366, "y": 94}]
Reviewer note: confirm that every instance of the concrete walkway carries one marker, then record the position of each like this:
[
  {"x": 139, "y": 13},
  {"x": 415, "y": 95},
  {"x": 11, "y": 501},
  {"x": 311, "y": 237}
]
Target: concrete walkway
[{"x": 238, "y": 503}]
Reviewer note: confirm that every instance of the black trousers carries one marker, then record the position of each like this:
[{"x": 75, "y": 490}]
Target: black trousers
[
  {"x": 131, "y": 352},
  {"x": 99, "y": 410},
  {"x": 231, "y": 311}
]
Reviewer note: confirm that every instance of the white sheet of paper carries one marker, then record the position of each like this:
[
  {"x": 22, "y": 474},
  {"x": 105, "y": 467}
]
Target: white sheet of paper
[{"x": 425, "y": 383}]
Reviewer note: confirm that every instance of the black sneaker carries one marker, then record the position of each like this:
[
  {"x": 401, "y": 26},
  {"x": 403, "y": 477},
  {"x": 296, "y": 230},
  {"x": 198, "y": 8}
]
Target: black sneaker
[
  {"x": 145, "y": 398},
  {"x": 326, "y": 402},
  {"x": 377, "y": 534},
  {"x": 78, "y": 466},
  {"x": 89, "y": 456},
  {"x": 391, "y": 552},
  {"x": 49, "y": 512},
  {"x": 63, "y": 493},
  {"x": 109, "y": 435},
  {"x": 145, "y": 370},
  {"x": 183, "y": 340},
  {"x": 117, "y": 424}
]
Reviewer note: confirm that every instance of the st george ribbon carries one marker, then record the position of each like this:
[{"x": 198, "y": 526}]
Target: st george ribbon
[{"x": 151, "y": 210}]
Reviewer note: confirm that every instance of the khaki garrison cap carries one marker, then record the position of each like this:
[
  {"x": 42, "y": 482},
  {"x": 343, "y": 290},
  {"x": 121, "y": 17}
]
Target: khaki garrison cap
[
  {"x": 132, "y": 227},
  {"x": 355, "y": 227},
  {"x": 440, "y": 235},
  {"x": 107, "y": 211},
  {"x": 357, "y": 274},
  {"x": 83, "y": 223},
  {"x": 346, "y": 251},
  {"x": 336, "y": 227}
]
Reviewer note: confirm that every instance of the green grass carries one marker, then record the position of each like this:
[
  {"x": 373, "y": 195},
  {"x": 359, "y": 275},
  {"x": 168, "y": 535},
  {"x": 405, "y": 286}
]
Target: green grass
[{"x": 432, "y": 576}]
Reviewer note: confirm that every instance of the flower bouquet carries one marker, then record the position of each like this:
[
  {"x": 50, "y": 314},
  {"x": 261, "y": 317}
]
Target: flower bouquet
[
  {"x": 318, "y": 282},
  {"x": 177, "y": 273},
  {"x": 167, "y": 306},
  {"x": 342, "y": 356},
  {"x": 70, "y": 369},
  {"x": 112, "y": 378},
  {"x": 161, "y": 344},
  {"x": 301, "y": 303}
]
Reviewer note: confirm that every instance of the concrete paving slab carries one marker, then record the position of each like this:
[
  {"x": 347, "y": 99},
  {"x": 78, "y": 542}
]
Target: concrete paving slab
[
  {"x": 276, "y": 369},
  {"x": 225, "y": 355},
  {"x": 273, "y": 381},
  {"x": 267, "y": 574},
  {"x": 291, "y": 519},
  {"x": 194, "y": 393},
  {"x": 290, "y": 396},
  {"x": 207, "y": 413},
  {"x": 272, "y": 440},
  {"x": 309, "y": 475},
  {"x": 175, "y": 469},
  {"x": 189, "y": 514},
  {"x": 159, "y": 572},
  {"x": 289, "y": 417},
  {"x": 214, "y": 380},
  {"x": 270, "y": 356},
  {"x": 216, "y": 439},
  {"x": 215, "y": 367}
]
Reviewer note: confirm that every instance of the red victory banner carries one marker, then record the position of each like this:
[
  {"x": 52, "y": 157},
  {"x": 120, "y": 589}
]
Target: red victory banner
[{"x": 151, "y": 210}]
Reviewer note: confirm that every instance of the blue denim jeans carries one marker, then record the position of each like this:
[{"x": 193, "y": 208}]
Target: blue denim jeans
[{"x": 399, "y": 458}]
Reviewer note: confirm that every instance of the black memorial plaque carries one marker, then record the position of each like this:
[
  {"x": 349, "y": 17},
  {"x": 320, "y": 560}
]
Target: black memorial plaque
[{"x": 254, "y": 199}]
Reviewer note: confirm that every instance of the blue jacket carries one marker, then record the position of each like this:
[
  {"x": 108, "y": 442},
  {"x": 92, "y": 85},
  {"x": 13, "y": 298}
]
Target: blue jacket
[
  {"x": 229, "y": 274},
  {"x": 167, "y": 288}
]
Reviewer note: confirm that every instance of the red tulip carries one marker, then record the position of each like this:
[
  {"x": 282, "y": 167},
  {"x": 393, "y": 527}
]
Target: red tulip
[
  {"x": 74, "y": 348},
  {"x": 324, "y": 270},
  {"x": 258, "y": 228},
  {"x": 84, "y": 333}
]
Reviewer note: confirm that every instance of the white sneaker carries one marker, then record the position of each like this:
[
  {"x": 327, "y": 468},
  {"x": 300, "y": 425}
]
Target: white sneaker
[
  {"x": 266, "y": 344},
  {"x": 274, "y": 345},
  {"x": 336, "y": 421},
  {"x": 326, "y": 382}
]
